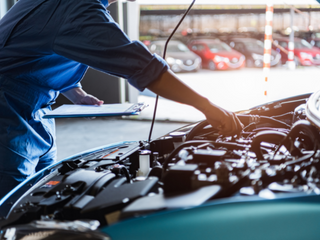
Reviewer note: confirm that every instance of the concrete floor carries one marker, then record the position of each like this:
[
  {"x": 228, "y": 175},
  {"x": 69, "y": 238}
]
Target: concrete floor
[{"x": 75, "y": 135}]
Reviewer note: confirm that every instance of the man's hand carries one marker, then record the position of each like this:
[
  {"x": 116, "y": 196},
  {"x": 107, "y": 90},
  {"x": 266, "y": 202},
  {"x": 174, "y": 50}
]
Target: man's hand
[
  {"x": 89, "y": 100},
  {"x": 78, "y": 96},
  {"x": 169, "y": 86},
  {"x": 225, "y": 121}
]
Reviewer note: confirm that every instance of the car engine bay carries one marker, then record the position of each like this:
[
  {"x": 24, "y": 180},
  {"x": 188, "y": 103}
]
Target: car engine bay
[{"x": 277, "y": 155}]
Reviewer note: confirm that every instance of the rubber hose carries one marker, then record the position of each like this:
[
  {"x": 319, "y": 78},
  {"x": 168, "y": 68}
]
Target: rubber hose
[{"x": 266, "y": 136}]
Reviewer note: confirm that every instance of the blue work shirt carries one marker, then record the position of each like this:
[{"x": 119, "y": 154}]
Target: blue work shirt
[{"x": 46, "y": 47}]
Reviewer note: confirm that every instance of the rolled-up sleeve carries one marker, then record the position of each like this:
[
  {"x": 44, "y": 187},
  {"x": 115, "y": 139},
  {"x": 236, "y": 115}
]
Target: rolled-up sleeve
[
  {"x": 90, "y": 36},
  {"x": 77, "y": 85}
]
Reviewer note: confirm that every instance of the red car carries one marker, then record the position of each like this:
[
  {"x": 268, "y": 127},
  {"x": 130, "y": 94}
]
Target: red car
[
  {"x": 305, "y": 54},
  {"x": 216, "y": 54}
]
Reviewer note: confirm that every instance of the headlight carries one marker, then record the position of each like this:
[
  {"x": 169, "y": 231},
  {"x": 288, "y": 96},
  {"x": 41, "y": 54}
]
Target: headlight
[
  {"x": 305, "y": 55},
  {"x": 257, "y": 56},
  {"x": 171, "y": 60},
  {"x": 178, "y": 61},
  {"x": 220, "y": 59},
  {"x": 198, "y": 60},
  {"x": 217, "y": 58}
]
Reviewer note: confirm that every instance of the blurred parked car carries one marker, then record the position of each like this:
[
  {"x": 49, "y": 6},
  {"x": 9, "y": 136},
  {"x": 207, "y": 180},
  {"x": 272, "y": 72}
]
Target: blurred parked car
[
  {"x": 305, "y": 53},
  {"x": 306, "y": 35},
  {"x": 178, "y": 56},
  {"x": 310, "y": 36},
  {"x": 253, "y": 50},
  {"x": 216, "y": 54},
  {"x": 315, "y": 42}
]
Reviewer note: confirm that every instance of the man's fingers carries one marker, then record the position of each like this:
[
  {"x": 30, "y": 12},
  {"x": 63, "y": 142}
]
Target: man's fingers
[
  {"x": 91, "y": 100},
  {"x": 239, "y": 123},
  {"x": 233, "y": 128},
  {"x": 100, "y": 102}
]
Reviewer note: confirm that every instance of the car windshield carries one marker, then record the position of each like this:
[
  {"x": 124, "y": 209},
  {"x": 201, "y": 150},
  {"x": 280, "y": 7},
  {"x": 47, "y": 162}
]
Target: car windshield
[
  {"x": 177, "y": 47},
  {"x": 219, "y": 46},
  {"x": 302, "y": 44},
  {"x": 254, "y": 45},
  {"x": 317, "y": 44}
]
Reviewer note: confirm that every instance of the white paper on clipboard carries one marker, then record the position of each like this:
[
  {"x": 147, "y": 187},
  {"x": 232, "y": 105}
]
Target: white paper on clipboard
[{"x": 105, "y": 110}]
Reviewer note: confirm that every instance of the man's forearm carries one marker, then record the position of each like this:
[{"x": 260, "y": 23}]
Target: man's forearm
[
  {"x": 79, "y": 96},
  {"x": 170, "y": 87},
  {"x": 75, "y": 94}
]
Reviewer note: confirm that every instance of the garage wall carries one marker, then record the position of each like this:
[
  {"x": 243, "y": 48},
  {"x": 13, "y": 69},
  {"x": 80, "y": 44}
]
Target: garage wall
[
  {"x": 131, "y": 23},
  {"x": 5, "y": 5},
  {"x": 163, "y": 24}
]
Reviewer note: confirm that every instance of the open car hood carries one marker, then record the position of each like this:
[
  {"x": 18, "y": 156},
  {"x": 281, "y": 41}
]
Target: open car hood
[{"x": 189, "y": 184}]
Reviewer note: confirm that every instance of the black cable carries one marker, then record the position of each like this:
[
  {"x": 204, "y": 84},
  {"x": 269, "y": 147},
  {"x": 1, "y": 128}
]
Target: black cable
[
  {"x": 164, "y": 57},
  {"x": 195, "y": 143},
  {"x": 196, "y": 129},
  {"x": 263, "y": 120},
  {"x": 126, "y": 173},
  {"x": 304, "y": 158},
  {"x": 283, "y": 115},
  {"x": 284, "y": 130},
  {"x": 266, "y": 136},
  {"x": 245, "y": 119},
  {"x": 153, "y": 117},
  {"x": 300, "y": 126},
  {"x": 175, "y": 151}
]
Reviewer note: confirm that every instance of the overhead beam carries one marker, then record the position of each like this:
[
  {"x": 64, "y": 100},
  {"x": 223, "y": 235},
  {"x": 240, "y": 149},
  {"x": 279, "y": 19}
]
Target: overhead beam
[{"x": 221, "y": 11}]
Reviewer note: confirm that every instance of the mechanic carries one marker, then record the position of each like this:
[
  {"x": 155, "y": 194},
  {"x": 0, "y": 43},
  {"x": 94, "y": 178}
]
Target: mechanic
[{"x": 46, "y": 47}]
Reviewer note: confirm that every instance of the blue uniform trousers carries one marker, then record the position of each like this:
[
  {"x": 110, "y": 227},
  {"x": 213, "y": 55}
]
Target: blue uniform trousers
[{"x": 26, "y": 140}]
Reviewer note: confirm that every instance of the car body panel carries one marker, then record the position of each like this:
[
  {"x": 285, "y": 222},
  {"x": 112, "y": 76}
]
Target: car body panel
[
  {"x": 305, "y": 53},
  {"x": 178, "y": 56},
  {"x": 253, "y": 50},
  {"x": 293, "y": 218},
  {"x": 223, "y": 57}
]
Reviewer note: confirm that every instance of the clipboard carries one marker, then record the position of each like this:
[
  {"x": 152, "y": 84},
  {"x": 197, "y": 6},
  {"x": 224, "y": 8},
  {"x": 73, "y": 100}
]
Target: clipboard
[{"x": 105, "y": 110}]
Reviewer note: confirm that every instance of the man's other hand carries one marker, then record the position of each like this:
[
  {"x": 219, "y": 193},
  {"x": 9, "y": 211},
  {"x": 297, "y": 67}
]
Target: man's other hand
[
  {"x": 79, "y": 96},
  {"x": 89, "y": 100}
]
